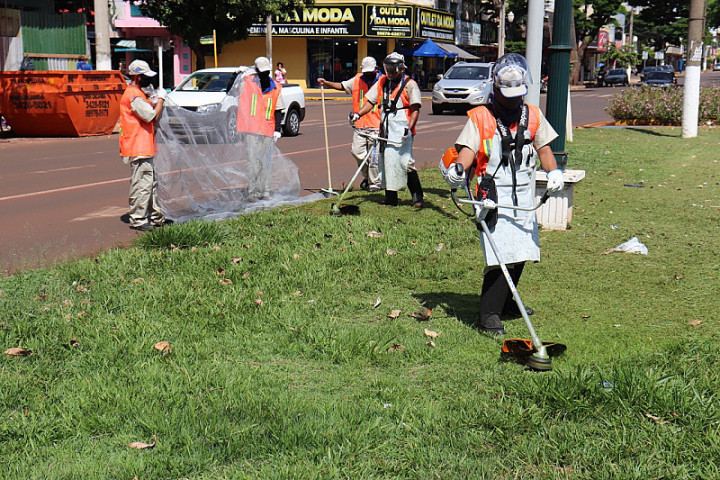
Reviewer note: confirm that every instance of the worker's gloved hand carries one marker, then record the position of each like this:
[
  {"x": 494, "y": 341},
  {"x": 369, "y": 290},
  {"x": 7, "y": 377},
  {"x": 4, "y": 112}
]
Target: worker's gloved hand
[
  {"x": 276, "y": 135},
  {"x": 162, "y": 93},
  {"x": 455, "y": 176},
  {"x": 555, "y": 180},
  {"x": 353, "y": 118}
]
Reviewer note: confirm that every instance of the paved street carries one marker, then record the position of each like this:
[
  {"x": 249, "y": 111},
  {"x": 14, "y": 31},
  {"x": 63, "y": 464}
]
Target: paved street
[{"x": 64, "y": 197}]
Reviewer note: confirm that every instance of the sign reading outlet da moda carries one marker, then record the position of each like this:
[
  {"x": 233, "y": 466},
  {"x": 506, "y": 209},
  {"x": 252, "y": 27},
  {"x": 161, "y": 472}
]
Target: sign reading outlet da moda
[{"x": 348, "y": 20}]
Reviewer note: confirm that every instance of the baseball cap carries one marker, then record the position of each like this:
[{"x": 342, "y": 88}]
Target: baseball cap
[
  {"x": 511, "y": 75},
  {"x": 140, "y": 67},
  {"x": 262, "y": 64},
  {"x": 368, "y": 65}
]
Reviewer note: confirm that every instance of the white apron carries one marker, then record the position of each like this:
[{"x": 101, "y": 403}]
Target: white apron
[
  {"x": 516, "y": 232},
  {"x": 393, "y": 163}
]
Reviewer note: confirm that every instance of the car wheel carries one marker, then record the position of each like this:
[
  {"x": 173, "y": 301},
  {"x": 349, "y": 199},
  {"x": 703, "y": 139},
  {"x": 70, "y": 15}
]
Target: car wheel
[
  {"x": 292, "y": 123},
  {"x": 437, "y": 109},
  {"x": 231, "y": 133}
]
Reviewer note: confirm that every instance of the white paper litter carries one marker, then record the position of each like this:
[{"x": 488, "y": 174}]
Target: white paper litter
[{"x": 631, "y": 246}]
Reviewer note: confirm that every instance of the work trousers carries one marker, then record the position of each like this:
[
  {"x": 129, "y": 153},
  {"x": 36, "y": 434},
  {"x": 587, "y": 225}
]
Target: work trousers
[
  {"x": 259, "y": 150},
  {"x": 143, "y": 194},
  {"x": 496, "y": 298},
  {"x": 361, "y": 145}
]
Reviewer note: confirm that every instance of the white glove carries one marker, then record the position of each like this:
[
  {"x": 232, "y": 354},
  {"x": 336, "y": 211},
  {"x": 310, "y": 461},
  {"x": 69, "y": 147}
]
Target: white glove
[
  {"x": 161, "y": 93},
  {"x": 455, "y": 175},
  {"x": 276, "y": 135},
  {"x": 555, "y": 180},
  {"x": 353, "y": 118}
]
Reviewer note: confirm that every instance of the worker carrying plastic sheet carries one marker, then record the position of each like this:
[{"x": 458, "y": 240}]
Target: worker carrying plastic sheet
[
  {"x": 499, "y": 144},
  {"x": 221, "y": 161}
]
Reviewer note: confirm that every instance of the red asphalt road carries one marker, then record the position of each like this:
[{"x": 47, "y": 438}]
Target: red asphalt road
[{"x": 64, "y": 197}]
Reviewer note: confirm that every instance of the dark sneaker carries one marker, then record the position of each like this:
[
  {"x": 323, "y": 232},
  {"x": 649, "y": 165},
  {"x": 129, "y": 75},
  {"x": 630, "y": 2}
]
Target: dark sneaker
[
  {"x": 493, "y": 331},
  {"x": 364, "y": 185},
  {"x": 492, "y": 325},
  {"x": 145, "y": 227},
  {"x": 417, "y": 199}
]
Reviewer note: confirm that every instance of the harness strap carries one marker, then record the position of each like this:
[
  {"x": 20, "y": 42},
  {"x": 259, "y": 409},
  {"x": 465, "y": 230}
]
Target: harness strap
[{"x": 512, "y": 147}]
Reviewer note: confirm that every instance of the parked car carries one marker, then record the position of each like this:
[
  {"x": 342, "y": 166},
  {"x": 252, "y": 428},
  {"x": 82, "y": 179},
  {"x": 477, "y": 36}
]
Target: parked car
[
  {"x": 616, "y": 76},
  {"x": 716, "y": 66},
  {"x": 463, "y": 85},
  {"x": 660, "y": 79},
  {"x": 648, "y": 69},
  {"x": 206, "y": 92}
]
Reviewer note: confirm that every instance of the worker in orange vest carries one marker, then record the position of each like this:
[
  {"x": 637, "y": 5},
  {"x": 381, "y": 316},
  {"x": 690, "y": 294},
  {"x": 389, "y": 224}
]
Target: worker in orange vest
[
  {"x": 259, "y": 116},
  {"x": 359, "y": 86},
  {"x": 137, "y": 146},
  {"x": 398, "y": 97},
  {"x": 501, "y": 143}
]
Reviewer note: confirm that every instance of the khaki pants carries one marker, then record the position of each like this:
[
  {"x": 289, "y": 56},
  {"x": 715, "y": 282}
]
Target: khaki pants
[
  {"x": 360, "y": 147},
  {"x": 143, "y": 194},
  {"x": 259, "y": 150}
]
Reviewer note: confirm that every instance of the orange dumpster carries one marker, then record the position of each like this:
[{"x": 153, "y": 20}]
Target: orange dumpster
[{"x": 61, "y": 104}]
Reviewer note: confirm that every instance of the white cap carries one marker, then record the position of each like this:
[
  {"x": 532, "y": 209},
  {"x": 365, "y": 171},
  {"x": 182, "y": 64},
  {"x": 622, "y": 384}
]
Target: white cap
[
  {"x": 262, "y": 64},
  {"x": 140, "y": 67},
  {"x": 511, "y": 75},
  {"x": 368, "y": 65}
]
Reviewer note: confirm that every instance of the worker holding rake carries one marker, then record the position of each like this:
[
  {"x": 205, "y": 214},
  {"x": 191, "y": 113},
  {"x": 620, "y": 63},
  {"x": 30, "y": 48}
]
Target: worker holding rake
[
  {"x": 499, "y": 144},
  {"x": 358, "y": 87}
]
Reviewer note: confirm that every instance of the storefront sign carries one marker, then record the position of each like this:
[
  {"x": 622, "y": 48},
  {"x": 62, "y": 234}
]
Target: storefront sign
[
  {"x": 467, "y": 33},
  {"x": 388, "y": 21},
  {"x": 319, "y": 21},
  {"x": 435, "y": 24},
  {"x": 603, "y": 39}
]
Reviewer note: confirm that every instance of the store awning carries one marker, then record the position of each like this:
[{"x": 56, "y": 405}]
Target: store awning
[
  {"x": 126, "y": 44},
  {"x": 431, "y": 49},
  {"x": 454, "y": 49}
]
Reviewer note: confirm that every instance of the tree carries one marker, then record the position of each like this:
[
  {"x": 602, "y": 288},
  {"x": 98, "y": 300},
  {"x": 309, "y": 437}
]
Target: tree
[
  {"x": 713, "y": 14},
  {"x": 590, "y": 17},
  {"x": 660, "y": 22},
  {"x": 620, "y": 57},
  {"x": 193, "y": 19}
]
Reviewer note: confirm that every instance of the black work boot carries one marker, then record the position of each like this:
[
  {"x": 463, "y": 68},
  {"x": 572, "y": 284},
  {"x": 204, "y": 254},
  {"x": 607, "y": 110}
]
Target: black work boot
[
  {"x": 391, "y": 198},
  {"x": 492, "y": 324},
  {"x": 415, "y": 189}
]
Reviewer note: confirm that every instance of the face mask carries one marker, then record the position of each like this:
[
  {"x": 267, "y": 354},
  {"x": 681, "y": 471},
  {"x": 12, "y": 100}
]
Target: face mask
[
  {"x": 393, "y": 73},
  {"x": 145, "y": 81},
  {"x": 264, "y": 79},
  {"x": 508, "y": 109},
  {"x": 368, "y": 77}
]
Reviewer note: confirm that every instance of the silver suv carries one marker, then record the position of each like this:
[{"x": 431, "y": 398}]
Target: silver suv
[{"x": 464, "y": 85}]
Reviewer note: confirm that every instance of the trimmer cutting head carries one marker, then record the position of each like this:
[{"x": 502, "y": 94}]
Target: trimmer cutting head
[
  {"x": 523, "y": 351},
  {"x": 344, "y": 209}
]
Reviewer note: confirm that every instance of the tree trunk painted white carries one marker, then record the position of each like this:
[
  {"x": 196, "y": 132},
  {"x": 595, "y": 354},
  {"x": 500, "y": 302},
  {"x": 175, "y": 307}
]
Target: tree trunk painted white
[
  {"x": 691, "y": 102},
  {"x": 102, "y": 36}
]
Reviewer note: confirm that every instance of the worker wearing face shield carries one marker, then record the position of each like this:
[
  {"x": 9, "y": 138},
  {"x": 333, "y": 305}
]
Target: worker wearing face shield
[
  {"x": 399, "y": 98},
  {"x": 501, "y": 144}
]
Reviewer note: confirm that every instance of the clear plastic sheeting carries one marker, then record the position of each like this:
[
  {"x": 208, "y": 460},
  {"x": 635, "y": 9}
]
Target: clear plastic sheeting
[{"x": 207, "y": 169}]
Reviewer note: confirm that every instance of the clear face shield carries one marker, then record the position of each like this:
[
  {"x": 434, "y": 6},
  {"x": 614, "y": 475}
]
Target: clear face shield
[{"x": 511, "y": 75}]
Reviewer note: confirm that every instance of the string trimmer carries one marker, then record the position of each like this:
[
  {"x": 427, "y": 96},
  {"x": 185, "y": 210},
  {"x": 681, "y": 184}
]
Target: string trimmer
[{"x": 539, "y": 352}]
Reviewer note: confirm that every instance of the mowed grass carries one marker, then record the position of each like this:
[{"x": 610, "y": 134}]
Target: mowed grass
[{"x": 281, "y": 367}]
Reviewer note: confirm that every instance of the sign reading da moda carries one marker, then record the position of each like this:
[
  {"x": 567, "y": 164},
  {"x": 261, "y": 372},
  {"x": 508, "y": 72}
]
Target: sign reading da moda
[
  {"x": 435, "y": 24},
  {"x": 319, "y": 21},
  {"x": 389, "y": 21}
]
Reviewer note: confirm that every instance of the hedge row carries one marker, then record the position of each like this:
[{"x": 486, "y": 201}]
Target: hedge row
[{"x": 662, "y": 106}]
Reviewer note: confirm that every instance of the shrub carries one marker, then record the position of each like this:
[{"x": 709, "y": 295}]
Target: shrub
[{"x": 662, "y": 106}]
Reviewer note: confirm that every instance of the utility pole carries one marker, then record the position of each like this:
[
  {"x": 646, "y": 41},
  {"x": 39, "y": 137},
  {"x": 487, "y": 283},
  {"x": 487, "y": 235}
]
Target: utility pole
[
  {"x": 501, "y": 30},
  {"x": 268, "y": 40},
  {"x": 102, "y": 36},
  {"x": 691, "y": 93},
  {"x": 558, "y": 86},
  {"x": 533, "y": 47}
]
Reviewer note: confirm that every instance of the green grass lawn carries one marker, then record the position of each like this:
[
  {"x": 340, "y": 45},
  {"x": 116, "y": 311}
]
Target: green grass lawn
[{"x": 281, "y": 366}]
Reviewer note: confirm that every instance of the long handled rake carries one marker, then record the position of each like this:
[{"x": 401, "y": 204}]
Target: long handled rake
[{"x": 326, "y": 191}]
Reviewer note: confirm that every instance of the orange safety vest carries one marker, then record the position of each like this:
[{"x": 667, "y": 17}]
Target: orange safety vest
[
  {"x": 487, "y": 126},
  {"x": 359, "y": 92},
  {"x": 256, "y": 110},
  {"x": 137, "y": 137},
  {"x": 404, "y": 97}
]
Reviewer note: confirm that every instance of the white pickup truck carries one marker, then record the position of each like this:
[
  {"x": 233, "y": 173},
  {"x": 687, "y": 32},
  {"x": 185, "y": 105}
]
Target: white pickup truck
[{"x": 205, "y": 92}]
